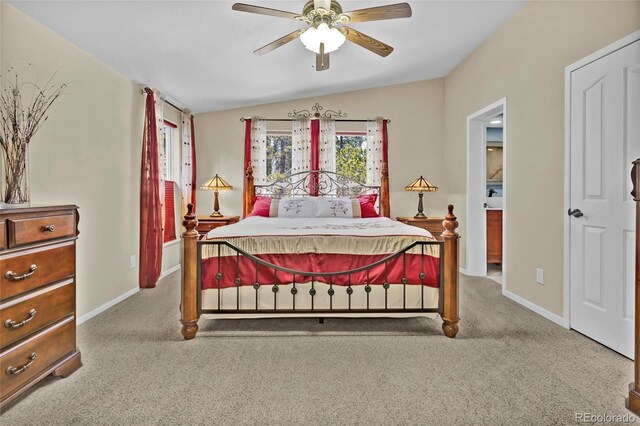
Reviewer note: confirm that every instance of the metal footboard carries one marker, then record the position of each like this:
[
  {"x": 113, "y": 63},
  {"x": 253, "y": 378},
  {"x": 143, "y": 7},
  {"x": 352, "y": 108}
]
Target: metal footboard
[{"x": 329, "y": 278}]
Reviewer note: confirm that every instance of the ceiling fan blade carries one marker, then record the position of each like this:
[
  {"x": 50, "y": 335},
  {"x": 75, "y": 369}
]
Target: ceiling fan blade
[
  {"x": 392, "y": 11},
  {"x": 242, "y": 7},
  {"x": 322, "y": 59},
  {"x": 367, "y": 42},
  {"x": 279, "y": 42}
]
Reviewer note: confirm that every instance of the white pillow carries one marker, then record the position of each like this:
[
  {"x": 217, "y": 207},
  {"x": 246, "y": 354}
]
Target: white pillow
[
  {"x": 344, "y": 207},
  {"x": 294, "y": 207}
]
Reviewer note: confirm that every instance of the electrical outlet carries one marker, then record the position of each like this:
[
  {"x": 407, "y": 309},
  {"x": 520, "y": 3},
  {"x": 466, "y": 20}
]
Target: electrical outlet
[
  {"x": 540, "y": 276},
  {"x": 133, "y": 262}
]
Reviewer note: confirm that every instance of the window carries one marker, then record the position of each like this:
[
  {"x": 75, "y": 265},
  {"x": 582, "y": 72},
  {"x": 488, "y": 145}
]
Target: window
[
  {"x": 168, "y": 148},
  {"x": 351, "y": 155},
  {"x": 278, "y": 156},
  {"x": 169, "y": 143}
]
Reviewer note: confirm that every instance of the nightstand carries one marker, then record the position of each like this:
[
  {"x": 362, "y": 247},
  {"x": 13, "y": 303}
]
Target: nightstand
[
  {"x": 431, "y": 224},
  {"x": 207, "y": 223}
]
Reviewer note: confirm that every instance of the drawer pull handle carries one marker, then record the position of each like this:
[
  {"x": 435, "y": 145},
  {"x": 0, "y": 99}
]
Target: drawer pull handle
[
  {"x": 13, "y": 277},
  {"x": 12, "y": 324},
  {"x": 17, "y": 370},
  {"x": 49, "y": 228}
]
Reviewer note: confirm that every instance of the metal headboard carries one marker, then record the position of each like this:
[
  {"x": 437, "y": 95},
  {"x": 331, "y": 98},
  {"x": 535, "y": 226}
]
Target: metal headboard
[{"x": 315, "y": 183}]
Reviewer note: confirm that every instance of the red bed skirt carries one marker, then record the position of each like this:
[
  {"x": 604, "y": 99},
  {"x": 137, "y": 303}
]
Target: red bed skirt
[{"x": 249, "y": 273}]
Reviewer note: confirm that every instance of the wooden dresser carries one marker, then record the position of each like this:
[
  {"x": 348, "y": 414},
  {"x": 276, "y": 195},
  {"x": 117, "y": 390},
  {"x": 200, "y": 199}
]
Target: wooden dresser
[
  {"x": 207, "y": 223},
  {"x": 37, "y": 296},
  {"x": 431, "y": 224}
]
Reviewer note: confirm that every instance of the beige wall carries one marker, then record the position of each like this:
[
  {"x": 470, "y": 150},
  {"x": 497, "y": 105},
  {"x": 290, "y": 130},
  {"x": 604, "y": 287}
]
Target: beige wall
[
  {"x": 416, "y": 137},
  {"x": 87, "y": 153},
  {"x": 525, "y": 61}
]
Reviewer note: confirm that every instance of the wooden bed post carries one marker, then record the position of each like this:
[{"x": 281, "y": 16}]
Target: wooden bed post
[
  {"x": 248, "y": 195},
  {"x": 633, "y": 403},
  {"x": 385, "y": 209},
  {"x": 449, "y": 312},
  {"x": 189, "y": 300}
]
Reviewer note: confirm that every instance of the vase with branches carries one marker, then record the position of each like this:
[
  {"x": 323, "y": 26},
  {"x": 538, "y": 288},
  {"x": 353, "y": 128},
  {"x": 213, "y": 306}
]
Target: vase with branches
[{"x": 23, "y": 110}]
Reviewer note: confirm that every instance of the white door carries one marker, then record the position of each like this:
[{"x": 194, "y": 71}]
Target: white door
[{"x": 605, "y": 139}]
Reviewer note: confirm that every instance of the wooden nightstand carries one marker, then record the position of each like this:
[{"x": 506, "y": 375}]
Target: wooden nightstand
[
  {"x": 207, "y": 223},
  {"x": 431, "y": 224}
]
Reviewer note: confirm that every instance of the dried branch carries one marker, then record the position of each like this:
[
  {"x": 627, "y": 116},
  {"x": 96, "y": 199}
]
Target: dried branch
[{"x": 19, "y": 122}]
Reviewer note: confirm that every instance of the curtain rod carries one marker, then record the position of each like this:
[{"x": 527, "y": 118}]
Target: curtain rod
[
  {"x": 146, "y": 90},
  {"x": 243, "y": 119}
]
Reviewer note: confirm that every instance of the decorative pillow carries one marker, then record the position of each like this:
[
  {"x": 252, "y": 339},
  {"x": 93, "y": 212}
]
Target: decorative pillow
[
  {"x": 337, "y": 207},
  {"x": 293, "y": 207},
  {"x": 261, "y": 206},
  {"x": 368, "y": 205}
]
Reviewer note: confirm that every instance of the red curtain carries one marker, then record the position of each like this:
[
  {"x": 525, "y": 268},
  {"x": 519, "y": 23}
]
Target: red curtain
[
  {"x": 247, "y": 157},
  {"x": 385, "y": 143},
  {"x": 150, "y": 203},
  {"x": 193, "y": 165},
  {"x": 315, "y": 155}
]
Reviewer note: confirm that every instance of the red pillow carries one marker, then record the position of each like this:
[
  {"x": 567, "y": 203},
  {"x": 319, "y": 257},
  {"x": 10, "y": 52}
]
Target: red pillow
[
  {"x": 261, "y": 206},
  {"x": 368, "y": 205}
]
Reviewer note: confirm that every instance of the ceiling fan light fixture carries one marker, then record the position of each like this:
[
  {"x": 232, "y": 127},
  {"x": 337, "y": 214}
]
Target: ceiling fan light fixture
[{"x": 331, "y": 37}]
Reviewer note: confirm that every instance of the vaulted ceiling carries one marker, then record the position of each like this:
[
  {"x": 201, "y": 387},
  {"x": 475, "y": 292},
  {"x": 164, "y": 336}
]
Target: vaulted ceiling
[{"x": 200, "y": 52}]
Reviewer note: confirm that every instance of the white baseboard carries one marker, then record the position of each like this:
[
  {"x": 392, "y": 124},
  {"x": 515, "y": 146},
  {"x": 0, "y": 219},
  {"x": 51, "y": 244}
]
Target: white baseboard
[
  {"x": 169, "y": 271},
  {"x": 463, "y": 271},
  {"x": 535, "y": 308},
  {"x": 109, "y": 304}
]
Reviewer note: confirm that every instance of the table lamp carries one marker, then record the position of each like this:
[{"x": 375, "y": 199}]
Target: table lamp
[
  {"x": 216, "y": 184},
  {"x": 420, "y": 185}
]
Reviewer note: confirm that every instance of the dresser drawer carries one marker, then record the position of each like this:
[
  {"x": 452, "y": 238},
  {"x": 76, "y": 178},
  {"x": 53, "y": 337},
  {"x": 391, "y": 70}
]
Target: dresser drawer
[
  {"x": 35, "y": 311},
  {"x": 52, "y": 263},
  {"x": 3, "y": 235},
  {"x": 37, "y": 229},
  {"x": 38, "y": 352}
]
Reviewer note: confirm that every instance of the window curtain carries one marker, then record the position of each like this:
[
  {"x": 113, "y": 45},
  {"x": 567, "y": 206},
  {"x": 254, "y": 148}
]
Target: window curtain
[
  {"x": 188, "y": 175},
  {"x": 151, "y": 197},
  {"x": 162, "y": 154},
  {"x": 259, "y": 150},
  {"x": 376, "y": 129},
  {"x": 327, "y": 155},
  {"x": 300, "y": 145},
  {"x": 194, "y": 169},
  {"x": 326, "y": 150},
  {"x": 247, "y": 160}
]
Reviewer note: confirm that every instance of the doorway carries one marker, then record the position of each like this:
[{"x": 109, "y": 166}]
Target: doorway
[{"x": 486, "y": 192}]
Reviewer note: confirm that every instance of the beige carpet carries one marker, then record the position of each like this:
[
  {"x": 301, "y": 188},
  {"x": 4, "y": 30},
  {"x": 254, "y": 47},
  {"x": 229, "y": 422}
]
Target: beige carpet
[{"x": 508, "y": 366}]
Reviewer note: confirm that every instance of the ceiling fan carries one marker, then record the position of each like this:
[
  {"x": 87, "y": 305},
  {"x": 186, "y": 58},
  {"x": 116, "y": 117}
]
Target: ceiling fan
[{"x": 327, "y": 30}]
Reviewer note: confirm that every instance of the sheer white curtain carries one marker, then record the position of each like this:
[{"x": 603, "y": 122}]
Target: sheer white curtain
[
  {"x": 374, "y": 151},
  {"x": 162, "y": 154},
  {"x": 300, "y": 145},
  {"x": 259, "y": 149},
  {"x": 187, "y": 165},
  {"x": 327, "y": 155}
]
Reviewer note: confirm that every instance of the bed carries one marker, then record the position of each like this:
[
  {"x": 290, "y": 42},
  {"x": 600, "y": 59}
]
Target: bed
[{"x": 318, "y": 266}]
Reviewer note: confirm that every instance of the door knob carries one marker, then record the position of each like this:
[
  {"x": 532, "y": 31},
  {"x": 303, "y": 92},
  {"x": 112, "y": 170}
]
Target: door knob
[{"x": 575, "y": 213}]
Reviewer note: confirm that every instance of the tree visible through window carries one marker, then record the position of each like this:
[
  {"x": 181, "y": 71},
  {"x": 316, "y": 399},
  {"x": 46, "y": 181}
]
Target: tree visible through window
[
  {"x": 351, "y": 156},
  {"x": 278, "y": 156}
]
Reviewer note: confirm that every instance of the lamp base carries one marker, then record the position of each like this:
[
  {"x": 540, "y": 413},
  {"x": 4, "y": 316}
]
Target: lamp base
[
  {"x": 216, "y": 214},
  {"x": 420, "y": 215}
]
